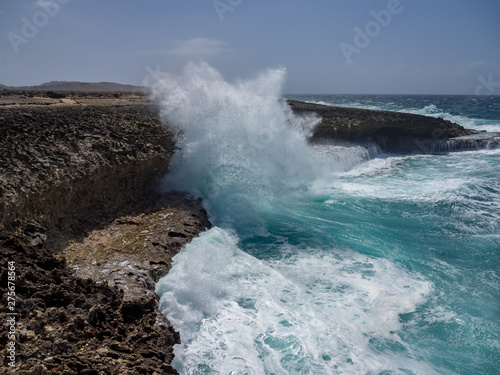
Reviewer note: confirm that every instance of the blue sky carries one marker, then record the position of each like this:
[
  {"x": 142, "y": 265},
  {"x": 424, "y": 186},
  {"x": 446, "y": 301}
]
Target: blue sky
[{"x": 327, "y": 46}]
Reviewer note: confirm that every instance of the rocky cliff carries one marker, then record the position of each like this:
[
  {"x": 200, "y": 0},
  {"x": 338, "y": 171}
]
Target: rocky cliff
[
  {"x": 60, "y": 165},
  {"x": 89, "y": 235}
]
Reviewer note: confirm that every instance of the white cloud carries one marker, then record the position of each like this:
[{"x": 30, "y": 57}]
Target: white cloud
[{"x": 198, "y": 48}]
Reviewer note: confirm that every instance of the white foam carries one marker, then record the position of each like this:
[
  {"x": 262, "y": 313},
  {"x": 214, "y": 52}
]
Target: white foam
[
  {"x": 377, "y": 166},
  {"x": 340, "y": 156},
  {"x": 420, "y": 177},
  {"x": 467, "y": 122},
  {"x": 476, "y": 153},
  {"x": 237, "y": 137},
  {"x": 314, "y": 312},
  {"x": 242, "y": 146}
]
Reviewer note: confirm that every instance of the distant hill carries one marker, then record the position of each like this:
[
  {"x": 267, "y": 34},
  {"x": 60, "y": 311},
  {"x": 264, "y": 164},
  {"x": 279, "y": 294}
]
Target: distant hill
[{"x": 79, "y": 86}]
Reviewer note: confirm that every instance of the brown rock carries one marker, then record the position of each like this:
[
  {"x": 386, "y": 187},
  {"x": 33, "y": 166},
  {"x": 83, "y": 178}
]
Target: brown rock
[{"x": 73, "y": 179}]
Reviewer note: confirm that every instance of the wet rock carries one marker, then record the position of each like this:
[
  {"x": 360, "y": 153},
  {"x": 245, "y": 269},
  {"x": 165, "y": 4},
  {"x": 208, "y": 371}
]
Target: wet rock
[
  {"x": 480, "y": 141},
  {"x": 391, "y": 131}
]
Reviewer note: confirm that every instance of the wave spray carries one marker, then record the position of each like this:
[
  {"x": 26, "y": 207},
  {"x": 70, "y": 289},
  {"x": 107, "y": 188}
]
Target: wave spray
[
  {"x": 239, "y": 141},
  {"x": 266, "y": 290}
]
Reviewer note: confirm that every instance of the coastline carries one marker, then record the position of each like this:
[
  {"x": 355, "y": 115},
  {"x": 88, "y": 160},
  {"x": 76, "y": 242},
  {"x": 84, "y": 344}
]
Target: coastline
[
  {"x": 88, "y": 233},
  {"x": 81, "y": 218}
]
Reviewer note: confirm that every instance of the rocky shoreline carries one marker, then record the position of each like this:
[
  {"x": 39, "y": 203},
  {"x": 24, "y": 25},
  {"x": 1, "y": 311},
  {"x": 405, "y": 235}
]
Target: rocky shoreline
[
  {"x": 90, "y": 236},
  {"x": 103, "y": 320},
  {"x": 391, "y": 131}
]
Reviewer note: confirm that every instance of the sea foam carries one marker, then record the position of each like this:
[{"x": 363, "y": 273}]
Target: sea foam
[
  {"x": 314, "y": 313},
  {"x": 273, "y": 303}
]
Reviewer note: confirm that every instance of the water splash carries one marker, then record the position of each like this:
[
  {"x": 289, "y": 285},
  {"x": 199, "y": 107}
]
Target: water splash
[
  {"x": 238, "y": 140},
  {"x": 286, "y": 307},
  {"x": 315, "y": 313}
]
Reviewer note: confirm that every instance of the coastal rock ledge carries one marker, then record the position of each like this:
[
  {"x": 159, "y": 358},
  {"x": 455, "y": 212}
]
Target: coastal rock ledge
[
  {"x": 391, "y": 131},
  {"x": 89, "y": 236}
]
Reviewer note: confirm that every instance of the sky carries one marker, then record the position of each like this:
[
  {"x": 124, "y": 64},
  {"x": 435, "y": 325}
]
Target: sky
[{"x": 326, "y": 46}]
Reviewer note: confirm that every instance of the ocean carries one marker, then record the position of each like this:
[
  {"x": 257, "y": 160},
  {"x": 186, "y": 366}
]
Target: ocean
[{"x": 333, "y": 258}]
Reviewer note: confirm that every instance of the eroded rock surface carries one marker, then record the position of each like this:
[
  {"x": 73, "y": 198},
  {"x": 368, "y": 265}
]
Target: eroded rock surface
[
  {"x": 69, "y": 325},
  {"x": 60, "y": 165},
  {"x": 89, "y": 236},
  {"x": 135, "y": 250},
  {"x": 392, "y": 131}
]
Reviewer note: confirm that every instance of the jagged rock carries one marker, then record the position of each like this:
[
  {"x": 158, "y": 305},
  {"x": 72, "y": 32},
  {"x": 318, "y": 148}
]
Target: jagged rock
[
  {"x": 67, "y": 171},
  {"x": 59, "y": 165}
]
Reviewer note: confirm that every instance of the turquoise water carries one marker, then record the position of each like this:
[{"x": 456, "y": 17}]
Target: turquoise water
[{"x": 332, "y": 259}]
